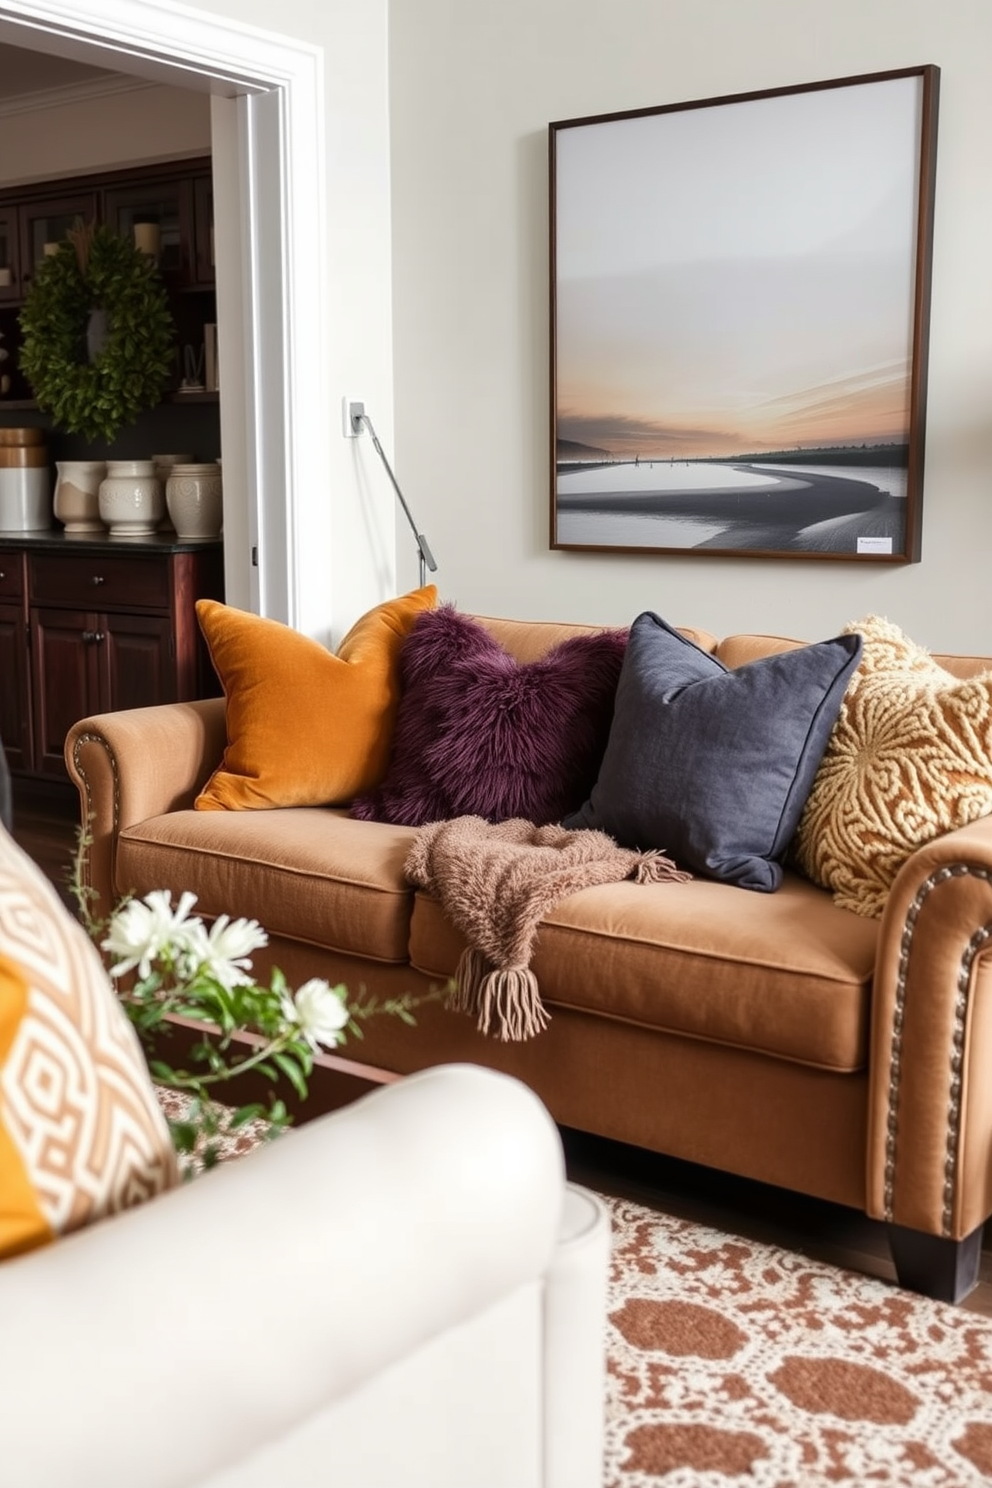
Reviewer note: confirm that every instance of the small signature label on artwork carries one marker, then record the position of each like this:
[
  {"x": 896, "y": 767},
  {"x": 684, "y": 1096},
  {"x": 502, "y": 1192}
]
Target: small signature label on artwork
[{"x": 874, "y": 545}]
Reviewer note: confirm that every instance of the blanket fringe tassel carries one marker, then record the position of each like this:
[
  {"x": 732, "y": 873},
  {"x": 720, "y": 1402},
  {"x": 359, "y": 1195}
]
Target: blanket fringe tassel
[
  {"x": 654, "y": 867},
  {"x": 505, "y": 1002}
]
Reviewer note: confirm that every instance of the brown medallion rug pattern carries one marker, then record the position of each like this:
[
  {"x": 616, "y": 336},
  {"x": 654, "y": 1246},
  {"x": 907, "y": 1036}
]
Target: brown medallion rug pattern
[
  {"x": 732, "y": 1363},
  {"x": 737, "y": 1363}
]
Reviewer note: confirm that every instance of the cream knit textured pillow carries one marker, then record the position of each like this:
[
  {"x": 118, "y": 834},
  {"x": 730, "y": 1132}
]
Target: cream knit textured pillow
[{"x": 909, "y": 758}]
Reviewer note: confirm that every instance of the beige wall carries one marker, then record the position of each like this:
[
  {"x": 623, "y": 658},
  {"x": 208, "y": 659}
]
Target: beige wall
[
  {"x": 102, "y": 132},
  {"x": 472, "y": 89}
]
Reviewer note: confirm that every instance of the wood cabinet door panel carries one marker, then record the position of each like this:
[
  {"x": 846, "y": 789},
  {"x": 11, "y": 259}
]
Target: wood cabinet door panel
[
  {"x": 203, "y": 230},
  {"x": 167, "y": 204},
  {"x": 65, "y": 681},
  {"x": 10, "y": 282},
  {"x": 11, "y": 574},
  {"x": 47, "y": 221},
  {"x": 15, "y": 718},
  {"x": 136, "y": 662}
]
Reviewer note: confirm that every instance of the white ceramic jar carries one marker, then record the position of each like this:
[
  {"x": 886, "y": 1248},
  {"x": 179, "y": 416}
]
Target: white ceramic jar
[
  {"x": 163, "y": 468},
  {"x": 77, "y": 494},
  {"x": 194, "y": 497},
  {"x": 131, "y": 500},
  {"x": 25, "y": 482}
]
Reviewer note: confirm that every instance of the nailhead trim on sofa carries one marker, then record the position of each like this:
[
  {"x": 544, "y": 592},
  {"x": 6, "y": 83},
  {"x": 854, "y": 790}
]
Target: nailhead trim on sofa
[
  {"x": 77, "y": 749},
  {"x": 976, "y": 943}
]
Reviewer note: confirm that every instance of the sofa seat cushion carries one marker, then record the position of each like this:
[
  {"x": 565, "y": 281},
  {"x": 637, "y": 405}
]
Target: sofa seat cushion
[
  {"x": 311, "y": 874},
  {"x": 786, "y": 974}
]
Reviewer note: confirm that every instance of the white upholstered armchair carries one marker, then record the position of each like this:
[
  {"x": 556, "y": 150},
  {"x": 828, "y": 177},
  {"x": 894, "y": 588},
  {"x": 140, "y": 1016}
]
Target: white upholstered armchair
[{"x": 405, "y": 1292}]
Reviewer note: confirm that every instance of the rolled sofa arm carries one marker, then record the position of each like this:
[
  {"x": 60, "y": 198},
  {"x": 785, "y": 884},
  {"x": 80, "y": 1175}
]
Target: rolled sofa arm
[
  {"x": 188, "y": 1333},
  {"x": 930, "y": 1096},
  {"x": 138, "y": 763}
]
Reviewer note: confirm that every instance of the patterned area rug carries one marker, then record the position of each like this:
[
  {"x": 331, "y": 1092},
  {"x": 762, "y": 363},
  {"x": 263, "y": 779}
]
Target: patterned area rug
[
  {"x": 735, "y": 1364},
  {"x": 732, "y": 1362}
]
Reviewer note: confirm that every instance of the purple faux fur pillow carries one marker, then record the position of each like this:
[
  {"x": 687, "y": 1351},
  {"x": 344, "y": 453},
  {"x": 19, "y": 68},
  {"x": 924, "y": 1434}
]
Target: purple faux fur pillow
[{"x": 480, "y": 734}]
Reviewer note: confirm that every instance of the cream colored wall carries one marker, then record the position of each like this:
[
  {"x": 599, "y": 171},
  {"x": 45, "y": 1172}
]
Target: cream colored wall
[
  {"x": 472, "y": 90},
  {"x": 347, "y": 522},
  {"x": 104, "y": 131}
]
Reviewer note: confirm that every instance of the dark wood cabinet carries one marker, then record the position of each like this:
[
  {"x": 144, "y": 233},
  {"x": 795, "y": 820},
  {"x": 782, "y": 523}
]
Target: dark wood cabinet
[
  {"x": 47, "y": 220},
  {"x": 10, "y": 258},
  {"x": 15, "y": 714},
  {"x": 27, "y": 223},
  {"x": 170, "y": 206},
  {"x": 96, "y": 627},
  {"x": 177, "y": 197},
  {"x": 203, "y": 229}
]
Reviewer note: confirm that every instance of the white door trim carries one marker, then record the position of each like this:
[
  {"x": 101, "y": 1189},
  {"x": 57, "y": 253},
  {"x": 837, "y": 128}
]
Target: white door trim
[{"x": 273, "y": 378}]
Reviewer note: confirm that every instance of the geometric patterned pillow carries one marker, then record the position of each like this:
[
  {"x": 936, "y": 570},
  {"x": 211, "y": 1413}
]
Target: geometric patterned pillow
[
  {"x": 81, "y": 1132},
  {"x": 909, "y": 758}
]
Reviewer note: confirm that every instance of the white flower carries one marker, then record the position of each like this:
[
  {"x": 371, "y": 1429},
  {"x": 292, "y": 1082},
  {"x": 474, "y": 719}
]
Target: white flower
[
  {"x": 145, "y": 928},
  {"x": 223, "y": 954},
  {"x": 320, "y": 1011}
]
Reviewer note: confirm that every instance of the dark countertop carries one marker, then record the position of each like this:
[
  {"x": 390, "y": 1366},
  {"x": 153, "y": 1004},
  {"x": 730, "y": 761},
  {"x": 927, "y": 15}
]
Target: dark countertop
[{"x": 54, "y": 540}]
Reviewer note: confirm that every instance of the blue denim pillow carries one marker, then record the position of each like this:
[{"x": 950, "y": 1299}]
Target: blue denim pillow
[{"x": 711, "y": 765}]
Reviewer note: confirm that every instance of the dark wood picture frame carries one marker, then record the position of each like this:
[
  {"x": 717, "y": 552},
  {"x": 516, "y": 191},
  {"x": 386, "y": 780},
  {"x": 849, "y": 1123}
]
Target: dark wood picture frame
[{"x": 740, "y": 299}]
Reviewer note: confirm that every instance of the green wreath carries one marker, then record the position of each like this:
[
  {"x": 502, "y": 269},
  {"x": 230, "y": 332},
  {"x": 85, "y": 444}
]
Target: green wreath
[{"x": 99, "y": 338}]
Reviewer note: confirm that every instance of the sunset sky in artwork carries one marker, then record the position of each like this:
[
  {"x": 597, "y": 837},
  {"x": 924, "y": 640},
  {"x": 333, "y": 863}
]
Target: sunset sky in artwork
[{"x": 738, "y": 278}]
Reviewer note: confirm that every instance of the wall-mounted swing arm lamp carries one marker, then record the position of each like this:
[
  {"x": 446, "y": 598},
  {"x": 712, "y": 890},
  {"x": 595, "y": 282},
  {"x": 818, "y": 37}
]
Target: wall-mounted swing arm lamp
[{"x": 356, "y": 419}]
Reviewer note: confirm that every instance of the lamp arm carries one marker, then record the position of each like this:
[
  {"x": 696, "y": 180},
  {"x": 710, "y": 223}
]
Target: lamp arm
[{"x": 423, "y": 547}]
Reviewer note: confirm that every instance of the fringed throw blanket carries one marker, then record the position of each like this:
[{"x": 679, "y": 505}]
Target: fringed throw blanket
[{"x": 495, "y": 883}]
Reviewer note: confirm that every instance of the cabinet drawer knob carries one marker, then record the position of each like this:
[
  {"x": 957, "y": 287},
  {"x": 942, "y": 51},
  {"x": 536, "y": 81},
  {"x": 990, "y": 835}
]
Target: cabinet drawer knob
[
  {"x": 93, "y": 637},
  {"x": 97, "y": 579}
]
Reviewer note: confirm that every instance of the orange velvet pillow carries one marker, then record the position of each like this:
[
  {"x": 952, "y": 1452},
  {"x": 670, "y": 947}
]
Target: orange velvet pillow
[{"x": 305, "y": 727}]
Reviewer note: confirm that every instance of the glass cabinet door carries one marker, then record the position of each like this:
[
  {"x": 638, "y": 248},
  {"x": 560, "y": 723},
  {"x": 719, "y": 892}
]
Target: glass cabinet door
[
  {"x": 45, "y": 223},
  {"x": 10, "y": 283},
  {"x": 203, "y": 215},
  {"x": 158, "y": 218}
]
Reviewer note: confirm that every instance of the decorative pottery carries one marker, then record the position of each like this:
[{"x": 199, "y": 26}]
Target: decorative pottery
[
  {"x": 163, "y": 468},
  {"x": 194, "y": 497},
  {"x": 25, "y": 481},
  {"x": 131, "y": 500},
  {"x": 164, "y": 464},
  {"x": 77, "y": 494}
]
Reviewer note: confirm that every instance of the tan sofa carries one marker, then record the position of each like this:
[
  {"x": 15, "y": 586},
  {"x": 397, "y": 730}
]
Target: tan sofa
[{"x": 775, "y": 1036}]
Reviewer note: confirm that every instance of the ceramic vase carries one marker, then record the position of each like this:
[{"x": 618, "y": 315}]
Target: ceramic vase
[
  {"x": 194, "y": 497},
  {"x": 77, "y": 494},
  {"x": 163, "y": 468},
  {"x": 131, "y": 500},
  {"x": 25, "y": 482}
]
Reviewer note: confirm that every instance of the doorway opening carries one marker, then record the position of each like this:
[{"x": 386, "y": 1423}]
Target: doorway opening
[{"x": 267, "y": 145}]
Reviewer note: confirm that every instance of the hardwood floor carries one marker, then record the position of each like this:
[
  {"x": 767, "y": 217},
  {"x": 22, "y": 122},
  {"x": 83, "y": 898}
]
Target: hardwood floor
[
  {"x": 45, "y": 823},
  {"x": 45, "y": 826}
]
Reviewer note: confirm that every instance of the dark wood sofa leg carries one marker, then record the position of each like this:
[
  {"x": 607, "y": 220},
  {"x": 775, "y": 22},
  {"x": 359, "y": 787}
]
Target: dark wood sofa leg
[{"x": 946, "y": 1270}]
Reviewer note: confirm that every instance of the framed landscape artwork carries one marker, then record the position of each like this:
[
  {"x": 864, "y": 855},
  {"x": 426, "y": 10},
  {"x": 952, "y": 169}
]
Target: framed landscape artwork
[{"x": 739, "y": 321}]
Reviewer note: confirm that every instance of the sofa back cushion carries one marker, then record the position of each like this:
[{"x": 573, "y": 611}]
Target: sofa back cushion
[
  {"x": 528, "y": 640},
  {"x": 735, "y": 650}
]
